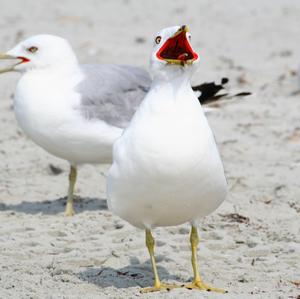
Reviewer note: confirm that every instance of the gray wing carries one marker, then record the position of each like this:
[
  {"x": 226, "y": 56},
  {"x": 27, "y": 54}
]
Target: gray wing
[{"x": 112, "y": 93}]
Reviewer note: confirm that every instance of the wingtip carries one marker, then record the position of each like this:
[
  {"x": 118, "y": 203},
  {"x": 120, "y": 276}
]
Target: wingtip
[{"x": 210, "y": 92}]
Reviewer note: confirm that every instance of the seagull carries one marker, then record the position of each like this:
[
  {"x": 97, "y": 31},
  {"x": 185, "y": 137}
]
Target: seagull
[
  {"x": 166, "y": 167},
  {"x": 76, "y": 111}
]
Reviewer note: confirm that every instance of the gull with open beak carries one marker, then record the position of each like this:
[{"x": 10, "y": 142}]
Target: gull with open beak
[
  {"x": 166, "y": 167},
  {"x": 75, "y": 111}
]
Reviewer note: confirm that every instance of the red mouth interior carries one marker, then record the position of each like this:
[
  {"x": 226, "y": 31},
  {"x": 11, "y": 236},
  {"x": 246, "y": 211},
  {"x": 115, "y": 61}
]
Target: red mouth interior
[
  {"x": 24, "y": 59},
  {"x": 177, "y": 48}
]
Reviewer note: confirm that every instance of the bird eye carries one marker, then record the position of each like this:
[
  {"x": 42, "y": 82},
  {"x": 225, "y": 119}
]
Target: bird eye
[
  {"x": 189, "y": 37},
  {"x": 32, "y": 49},
  {"x": 158, "y": 39}
]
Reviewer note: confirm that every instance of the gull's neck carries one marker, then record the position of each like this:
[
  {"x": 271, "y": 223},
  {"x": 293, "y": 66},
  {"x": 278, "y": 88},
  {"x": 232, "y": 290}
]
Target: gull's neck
[
  {"x": 56, "y": 69},
  {"x": 65, "y": 75},
  {"x": 173, "y": 82},
  {"x": 177, "y": 82}
]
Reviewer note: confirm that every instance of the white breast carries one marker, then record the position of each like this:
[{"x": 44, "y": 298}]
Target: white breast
[
  {"x": 167, "y": 169},
  {"x": 44, "y": 106}
]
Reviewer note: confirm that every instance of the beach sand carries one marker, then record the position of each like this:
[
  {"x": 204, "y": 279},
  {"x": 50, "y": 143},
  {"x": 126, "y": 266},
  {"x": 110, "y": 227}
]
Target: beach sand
[{"x": 250, "y": 246}]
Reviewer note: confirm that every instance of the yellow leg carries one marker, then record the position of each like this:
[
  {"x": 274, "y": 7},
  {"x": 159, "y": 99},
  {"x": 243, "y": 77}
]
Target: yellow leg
[
  {"x": 158, "y": 286},
  {"x": 197, "y": 283},
  {"x": 72, "y": 180}
]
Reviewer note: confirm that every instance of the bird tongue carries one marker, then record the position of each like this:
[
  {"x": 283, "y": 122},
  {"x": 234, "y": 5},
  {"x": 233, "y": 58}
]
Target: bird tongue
[{"x": 183, "y": 56}]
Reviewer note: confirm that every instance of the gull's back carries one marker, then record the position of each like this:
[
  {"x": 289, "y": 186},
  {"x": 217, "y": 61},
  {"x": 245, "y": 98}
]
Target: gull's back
[{"x": 112, "y": 93}]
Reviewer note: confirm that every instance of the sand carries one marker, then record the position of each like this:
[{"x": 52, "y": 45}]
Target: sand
[{"x": 250, "y": 246}]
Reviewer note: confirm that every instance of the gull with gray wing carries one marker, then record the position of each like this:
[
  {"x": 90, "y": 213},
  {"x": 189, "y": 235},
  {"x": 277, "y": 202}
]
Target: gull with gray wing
[{"x": 73, "y": 111}]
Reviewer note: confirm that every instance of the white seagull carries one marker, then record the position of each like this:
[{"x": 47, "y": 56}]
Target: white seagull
[
  {"x": 166, "y": 166},
  {"x": 75, "y": 111}
]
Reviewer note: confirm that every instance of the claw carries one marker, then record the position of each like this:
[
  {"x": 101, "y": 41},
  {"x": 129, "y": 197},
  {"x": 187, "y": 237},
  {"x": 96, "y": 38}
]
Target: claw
[
  {"x": 199, "y": 285},
  {"x": 159, "y": 287}
]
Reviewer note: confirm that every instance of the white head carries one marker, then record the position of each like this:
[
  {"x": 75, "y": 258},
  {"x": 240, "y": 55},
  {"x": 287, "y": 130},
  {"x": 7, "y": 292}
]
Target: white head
[
  {"x": 173, "y": 53},
  {"x": 39, "y": 52}
]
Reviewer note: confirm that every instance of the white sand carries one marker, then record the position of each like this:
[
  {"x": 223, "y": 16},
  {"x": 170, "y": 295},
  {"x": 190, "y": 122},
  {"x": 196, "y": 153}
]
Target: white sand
[{"x": 97, "y": 255}]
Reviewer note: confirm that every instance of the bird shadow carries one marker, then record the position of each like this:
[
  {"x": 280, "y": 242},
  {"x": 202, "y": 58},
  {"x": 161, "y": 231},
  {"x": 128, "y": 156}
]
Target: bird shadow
[
  {"x": 52, "y": 207},
  {"x": 135, "y": 274}
]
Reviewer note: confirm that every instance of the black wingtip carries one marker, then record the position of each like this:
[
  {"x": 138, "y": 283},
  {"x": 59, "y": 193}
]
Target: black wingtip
[
  {"x": 224, "y": 80},
  {"x": 243, "y": 94},
  {"x": 209, "y": 92}
]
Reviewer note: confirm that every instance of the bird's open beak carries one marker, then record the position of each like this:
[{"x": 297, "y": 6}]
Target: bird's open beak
[
  {"x": 11, "y": 67},
  {"x": 177, "y": 49}
]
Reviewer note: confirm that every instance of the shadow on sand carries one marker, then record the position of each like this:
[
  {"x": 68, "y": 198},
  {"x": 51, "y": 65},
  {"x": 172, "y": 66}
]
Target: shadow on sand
[
  {"x": 52, "y": 207},
  {"x": 134, "y": 275}
]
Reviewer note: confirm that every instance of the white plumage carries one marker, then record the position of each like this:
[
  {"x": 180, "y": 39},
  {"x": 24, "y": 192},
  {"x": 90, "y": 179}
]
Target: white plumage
[
  {"x": 73, "y": 111},
  {"x": 166, "y": 167},
  {"x": 47, "y": 107}
]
